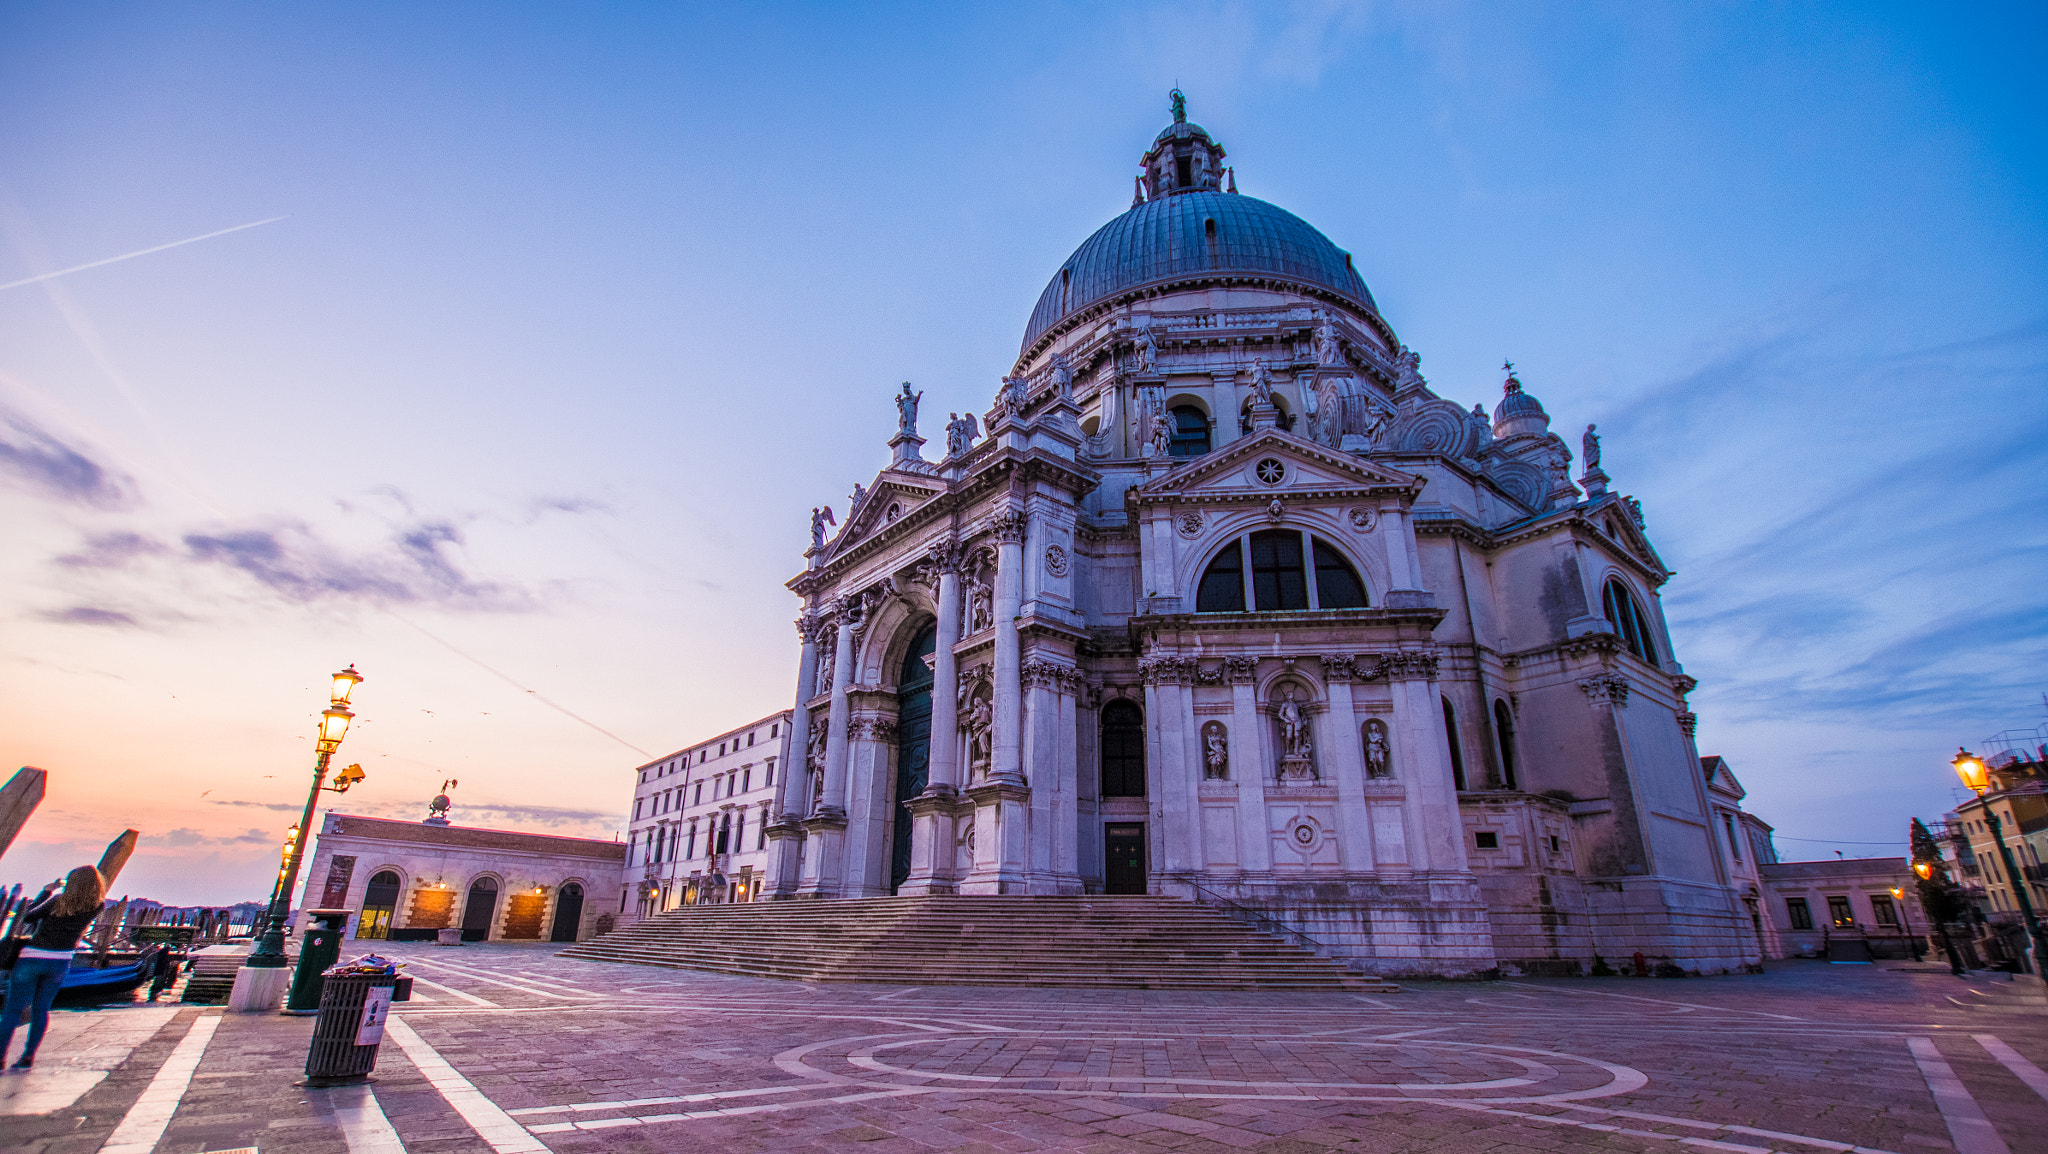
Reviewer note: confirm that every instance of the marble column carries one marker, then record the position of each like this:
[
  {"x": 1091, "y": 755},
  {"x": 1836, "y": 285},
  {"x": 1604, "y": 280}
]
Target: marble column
[
  {"x": 1342, "y": 743},
  {"x": 785, "y": 833},
  {"x": 1251, "y": 763},
  {"x": 824, "y": 865},
  {"x": 1436, "y": 834},
  {"x": 933, "y": 829}
]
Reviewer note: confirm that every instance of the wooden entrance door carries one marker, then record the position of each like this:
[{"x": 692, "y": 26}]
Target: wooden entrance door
[
  {"x": 1123, "y": 854},
  {"x": 568, "y": 913}
]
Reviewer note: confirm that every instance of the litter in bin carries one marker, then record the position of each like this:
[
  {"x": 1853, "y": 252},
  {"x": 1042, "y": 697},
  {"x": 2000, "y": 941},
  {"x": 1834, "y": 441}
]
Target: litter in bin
[{"x": 367, "y": 965}]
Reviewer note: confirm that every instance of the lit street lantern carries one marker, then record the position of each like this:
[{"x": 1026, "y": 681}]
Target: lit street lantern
[
  {"x": 1977, "y": 776},
  {"x": 269, "y": 950}
]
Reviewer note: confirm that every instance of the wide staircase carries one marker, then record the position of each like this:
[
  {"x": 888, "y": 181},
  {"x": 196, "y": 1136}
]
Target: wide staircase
[{"x": 1106, "y": 943}]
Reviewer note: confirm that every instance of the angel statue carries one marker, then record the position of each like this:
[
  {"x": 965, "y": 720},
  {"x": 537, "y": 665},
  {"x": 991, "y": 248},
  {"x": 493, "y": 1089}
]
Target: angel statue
[
  {"x": 1011, "y": 396},
  {"x": 906, "y": 411},
  {"x": 961, "y": 431},
  {"x": 819, "y": 519}
]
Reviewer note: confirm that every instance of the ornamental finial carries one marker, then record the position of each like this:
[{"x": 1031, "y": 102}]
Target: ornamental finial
[{"x": 1180, "y": 107}]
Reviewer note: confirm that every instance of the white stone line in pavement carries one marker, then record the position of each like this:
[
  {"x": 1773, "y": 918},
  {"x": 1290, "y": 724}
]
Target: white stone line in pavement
[
  {"x": 727, "y": 1112},
  {"x": 361, "y": 1120},
  {"x": 544, "y": 978},
  {"x": 1729, "y": 1128},
  {"x": 516, "y": 977},
  {"x": 145, "y": 1121},
  {"x": 472, "y": 999},
  {"x": 669, "y": 1100},
  {"x": 491, "y": 1124},
  {"x": 481, "y": 977},
  {"x": 2035, "y": 1078},
  {"x": 1689, "y": 1006},
  {"x": 1972, "y": 1131}
]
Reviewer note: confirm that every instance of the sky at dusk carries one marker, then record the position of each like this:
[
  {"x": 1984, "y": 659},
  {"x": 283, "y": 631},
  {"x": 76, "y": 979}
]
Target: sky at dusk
[{"x": 564, "y": 317}]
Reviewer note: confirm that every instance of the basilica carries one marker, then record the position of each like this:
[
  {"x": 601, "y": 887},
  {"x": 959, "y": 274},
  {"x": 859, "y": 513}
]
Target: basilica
[{"x": 1221, "y": 600}]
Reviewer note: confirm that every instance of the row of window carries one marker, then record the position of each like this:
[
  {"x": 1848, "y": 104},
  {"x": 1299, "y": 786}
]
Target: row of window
[
  {"x": 726, "y": 833},
  {"x": 1840, "y": 913},
  {"x": 722, "y": 785},
  {"x": 1188, "y": 427},
  {"x": 683, "y": 760}
]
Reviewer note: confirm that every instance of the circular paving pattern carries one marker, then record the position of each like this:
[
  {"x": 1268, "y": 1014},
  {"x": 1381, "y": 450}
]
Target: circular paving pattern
[{"x": 1211, "y": 1066}]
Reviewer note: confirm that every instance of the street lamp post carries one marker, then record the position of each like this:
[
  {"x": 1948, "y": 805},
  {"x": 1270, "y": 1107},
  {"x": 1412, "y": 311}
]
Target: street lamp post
[
  {"x": 1906, "y": 921},
  {"x": 1978, "y": 778},
  {"x": 269, "y": 951}
]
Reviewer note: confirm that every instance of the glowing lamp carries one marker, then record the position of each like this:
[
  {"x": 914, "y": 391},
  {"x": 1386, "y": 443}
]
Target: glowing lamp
[
  {"x": 349, "y": 775},
  {"x": 1899, "y": 892},
  {"x": 1972, "y": 771},
  {"x": 1924, "y": 868},
  {"x": 345, "y": 683},
  {"x": 333, "y": 727}
]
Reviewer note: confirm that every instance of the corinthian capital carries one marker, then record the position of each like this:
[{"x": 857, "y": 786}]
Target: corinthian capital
[
  {"x": 1008, "y": 525},
  {"x": 1606, "y": 689}
]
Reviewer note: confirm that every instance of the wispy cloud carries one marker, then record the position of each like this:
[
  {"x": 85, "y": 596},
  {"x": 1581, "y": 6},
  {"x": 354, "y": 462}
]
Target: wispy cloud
[
  {"x": 420, "y": 563},
  {"x": 35, "y": 460},
  {"x": 112, "y": 551},
  {"x": 89, "y": 615}
]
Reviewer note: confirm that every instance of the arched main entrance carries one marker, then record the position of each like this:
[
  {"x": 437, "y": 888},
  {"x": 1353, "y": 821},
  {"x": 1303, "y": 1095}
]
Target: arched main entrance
[
  {"x": 913, "y": 746},
  {"x": 568, "y": 913},
  {"x": 479, "y": 911},
  {"x": 380, "y": 901}
]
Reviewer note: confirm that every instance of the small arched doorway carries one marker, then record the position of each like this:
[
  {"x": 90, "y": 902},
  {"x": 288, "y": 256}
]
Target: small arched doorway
[
  {"x": 568, "y": 913},
  {"x": 913, "y": 745},
  {"x": 480, "y": 910},
  {"x": 380, "y": 902}
]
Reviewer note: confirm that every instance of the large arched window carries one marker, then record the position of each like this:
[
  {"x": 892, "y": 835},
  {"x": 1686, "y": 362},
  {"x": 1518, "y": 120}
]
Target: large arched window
[
  {"x": 1280, "y": 575},
  {"x": 1123, "y": 750},
  {"x": 1629, "y": 620},
  {"x": 1190, "y": 432}
]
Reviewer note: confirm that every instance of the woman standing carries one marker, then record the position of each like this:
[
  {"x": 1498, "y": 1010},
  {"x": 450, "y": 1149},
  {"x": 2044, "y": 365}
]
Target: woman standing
[{"x": 59, "y": 920}]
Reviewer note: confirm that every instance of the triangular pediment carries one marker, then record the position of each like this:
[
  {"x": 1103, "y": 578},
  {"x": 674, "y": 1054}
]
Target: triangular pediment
[
  {"x": 1615, "y": 521},
  {"x": 1273, "y": 463},
  {"x": 894, "y": 494},
  {"x": 1721, "y": 779}
]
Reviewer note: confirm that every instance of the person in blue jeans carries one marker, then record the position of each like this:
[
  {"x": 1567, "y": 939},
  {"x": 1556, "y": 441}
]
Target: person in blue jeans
[{"x": 59, "y": 919}]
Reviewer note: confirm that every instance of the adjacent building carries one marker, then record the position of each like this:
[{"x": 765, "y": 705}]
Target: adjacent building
[
  {"x": 1746, "y": 848},
  {"x": 698, "y": 832},
  {"x": 1816, "y": 904},
  {"x": 411, "y": 880}
]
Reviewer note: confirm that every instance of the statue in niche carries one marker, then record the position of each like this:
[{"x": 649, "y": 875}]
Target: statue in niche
[
  {"x": 980, "y": 722},
  {"x": 1215, "y": 752},
  {"x": 1262, "y": 383},
  {"x": 1162, "y": 430},
  {"x": 1376, "y": 764},
  {"x": 1329, "y": 348},
  {"x": 1148, "y": 350},
  {"x": 906, "y": 411},
  {"x": 819, "y": 519},
  {"x": 981, "y": 607},
  {"x": 1297, "y": 761},
  {"x": 1591, "y": 444}
]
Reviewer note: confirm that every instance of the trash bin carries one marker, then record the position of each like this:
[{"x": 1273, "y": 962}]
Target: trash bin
[
  {"x": 350, "y": 1027},
  {"x": 320, "y": 949}
]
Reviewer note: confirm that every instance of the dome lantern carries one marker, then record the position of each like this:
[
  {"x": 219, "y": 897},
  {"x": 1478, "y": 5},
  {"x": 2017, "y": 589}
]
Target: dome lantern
[
  {"x": 1183, "y": 158},
  {"x": 1518, "y": 413}
]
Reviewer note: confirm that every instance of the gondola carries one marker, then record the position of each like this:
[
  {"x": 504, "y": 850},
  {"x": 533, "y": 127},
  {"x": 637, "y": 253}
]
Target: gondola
[{"x": 84, "y": 984}]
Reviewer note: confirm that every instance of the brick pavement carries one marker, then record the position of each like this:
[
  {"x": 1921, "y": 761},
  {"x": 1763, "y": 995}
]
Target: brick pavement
[{"x": 589, "y": 1056}]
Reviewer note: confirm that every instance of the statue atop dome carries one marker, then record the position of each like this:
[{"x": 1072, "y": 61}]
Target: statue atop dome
[{"x": 1180, "y": 106}]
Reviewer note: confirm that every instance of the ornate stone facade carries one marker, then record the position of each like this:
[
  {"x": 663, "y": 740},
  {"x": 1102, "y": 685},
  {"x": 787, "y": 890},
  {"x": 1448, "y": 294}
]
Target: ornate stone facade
[{"x": 1226, "y": 570}]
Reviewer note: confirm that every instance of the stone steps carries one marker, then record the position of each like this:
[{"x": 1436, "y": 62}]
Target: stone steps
[{"x": 1073, "y": 942}]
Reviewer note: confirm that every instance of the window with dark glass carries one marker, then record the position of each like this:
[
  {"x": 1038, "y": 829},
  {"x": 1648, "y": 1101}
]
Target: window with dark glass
[
  {"x": 1504, "y": 733},
  {"x": 1337, "y": 587},
  {"x": 1222, "y": 587},
  {"x": 1190, "y": 432},
  {"x": 1839, "y": 911},
  {"x": 1123, "y": 750},
  {"x": 1486, "y": 839},
  {"x": 1802, "y": 918},
  {"x": 1882, "y": 910},
  {"x": 1451, "y": 734},
  {"x": 1278, "y": 580},
  {"x": 1629, "y": 621}
]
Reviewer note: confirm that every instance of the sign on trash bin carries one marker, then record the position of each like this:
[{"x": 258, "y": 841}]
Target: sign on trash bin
[{"x": 376, "y": 1008}]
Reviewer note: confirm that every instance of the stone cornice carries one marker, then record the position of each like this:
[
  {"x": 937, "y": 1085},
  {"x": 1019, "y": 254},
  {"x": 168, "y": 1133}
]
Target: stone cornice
[{"x": 1573, "y": 520}]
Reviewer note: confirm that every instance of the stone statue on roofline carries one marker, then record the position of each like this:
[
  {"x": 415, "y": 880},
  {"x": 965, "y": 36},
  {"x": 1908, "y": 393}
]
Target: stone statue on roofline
[
  {"x": 1591, "y": 444},
  {"x": 1329, "y": 347},
  {"x": 906, "y": 411},
  {"x": 1148, "y": 350},
  {"x": 819, "y": 519}
]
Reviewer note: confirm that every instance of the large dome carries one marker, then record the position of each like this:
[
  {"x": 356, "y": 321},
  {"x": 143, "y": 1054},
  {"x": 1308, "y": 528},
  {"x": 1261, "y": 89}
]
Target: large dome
[{"x": 1194, "y": 236}]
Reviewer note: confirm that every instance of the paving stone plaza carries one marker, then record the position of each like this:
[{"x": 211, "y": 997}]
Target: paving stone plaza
[{"x": 510, "y": 1048}]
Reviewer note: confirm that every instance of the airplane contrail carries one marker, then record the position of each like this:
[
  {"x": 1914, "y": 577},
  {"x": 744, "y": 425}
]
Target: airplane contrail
[{"x": 142, "y": 252}]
